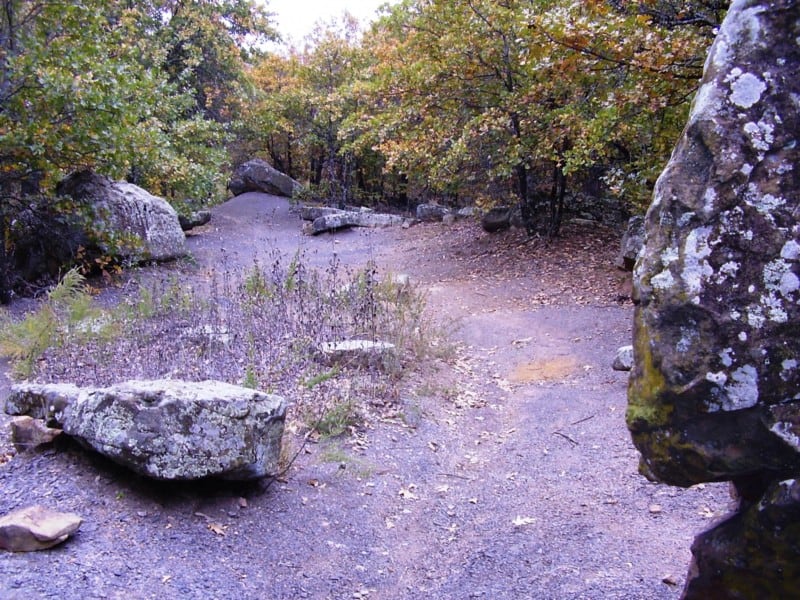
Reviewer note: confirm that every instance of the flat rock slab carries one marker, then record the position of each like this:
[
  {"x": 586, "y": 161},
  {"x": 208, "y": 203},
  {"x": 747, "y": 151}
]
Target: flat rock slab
[
  {"x": 346, "y": 219},
  {"x": 165, "y": 429},
  {"x": 360, "y": 353},
  {"x": 36, "y": 528}
]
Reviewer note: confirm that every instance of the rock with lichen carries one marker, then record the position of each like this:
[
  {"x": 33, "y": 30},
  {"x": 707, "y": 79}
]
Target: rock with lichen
[
  {"x": 166, "y": 429},
  {"x": 714, "y": 392}
]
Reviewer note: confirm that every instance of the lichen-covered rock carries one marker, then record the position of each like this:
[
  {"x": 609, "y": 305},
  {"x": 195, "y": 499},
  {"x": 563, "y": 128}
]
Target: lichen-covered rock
[
  {"x": 715, "y": 389},
  {"x": 170, "y": 430},
  {"x": 139, "y": 225},
  {"x": 714, "y": 392},
  {"x": 347, "y": 219}
]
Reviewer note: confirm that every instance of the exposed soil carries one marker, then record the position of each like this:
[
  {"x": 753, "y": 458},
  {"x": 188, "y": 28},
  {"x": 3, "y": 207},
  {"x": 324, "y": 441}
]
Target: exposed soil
[{"x": 511, "y": 473}]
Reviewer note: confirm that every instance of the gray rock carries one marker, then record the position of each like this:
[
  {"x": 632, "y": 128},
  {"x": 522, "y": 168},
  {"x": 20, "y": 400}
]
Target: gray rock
[
  {"x": 259, "y": 176},
  {"x": 360, "y": 354},
  {"x": 466, "y": 212},
  {"x": 632, "y": 242},
  {"x": 623, "y": 361},
  {"x": 171, "y": 430},
  {"x": 713, "y": 392},
  {"x": 36, "y": 528},
  {"x": 143, "y": 226},
  {"x": 431, "y": 212},
  {"x": 496, "y": 219},
  {"x": 312, "y": 213},
  {"x": 348, "y": 219},
  {"x": 197, "y": 218}
]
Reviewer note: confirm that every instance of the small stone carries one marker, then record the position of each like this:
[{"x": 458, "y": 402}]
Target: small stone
[
  {"x": 36, "y": 528},
  {"x": 28, "y": 433},
  {"x": 623, "y": 361},
  {"x": 655, "y": 509},
  {"x": 669, "y": 580}
]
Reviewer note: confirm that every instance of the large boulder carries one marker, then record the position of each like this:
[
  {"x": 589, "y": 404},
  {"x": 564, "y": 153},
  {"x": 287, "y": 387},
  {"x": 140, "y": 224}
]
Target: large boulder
[
  {"x": 259, "y": 176},
  {"x": 129, "y": 221},
  {"x": 165, "y": 429},
  {"x": 713, "y": 393}
]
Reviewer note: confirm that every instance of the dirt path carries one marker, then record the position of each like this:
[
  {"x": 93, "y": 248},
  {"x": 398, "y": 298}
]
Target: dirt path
[{"x": 511, "y": 474}]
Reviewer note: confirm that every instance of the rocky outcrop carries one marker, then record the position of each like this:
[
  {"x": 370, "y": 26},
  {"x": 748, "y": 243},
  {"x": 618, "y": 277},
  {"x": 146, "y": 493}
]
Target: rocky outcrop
[
  {"x": 713, "y": 393},
  {"x": 259, "y": 176},
  {"x": 169, "y": 430},
  {"x": 36, "y": 528},
  {"x": 130, "y": 222}
]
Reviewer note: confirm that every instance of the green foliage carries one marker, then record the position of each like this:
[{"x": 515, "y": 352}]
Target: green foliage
[
  {"x": 259, "y": 328},
  {"x": 66, "y": 317},
  {"x": 336, "y": 419},
  {"x": 478, "y": 101}
]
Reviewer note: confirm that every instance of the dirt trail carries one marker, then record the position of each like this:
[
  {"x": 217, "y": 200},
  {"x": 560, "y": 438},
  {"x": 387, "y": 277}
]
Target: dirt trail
[{"x": 512, "y": 474}]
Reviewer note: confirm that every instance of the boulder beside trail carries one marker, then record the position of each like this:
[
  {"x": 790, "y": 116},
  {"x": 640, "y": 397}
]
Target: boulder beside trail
[
  {"x": 259, "y": 176},
  {"x": 431, "y": 212},
  {"x": 129, "y": 221},
  {"x": 348, "y": 219},
  {"x": 165, "y": 429},
  {"x": 713, "y": 394}
]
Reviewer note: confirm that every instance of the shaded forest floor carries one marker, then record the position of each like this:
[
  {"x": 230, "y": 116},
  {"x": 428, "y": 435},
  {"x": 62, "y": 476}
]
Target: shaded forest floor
[{"x": 505, "y": 471}]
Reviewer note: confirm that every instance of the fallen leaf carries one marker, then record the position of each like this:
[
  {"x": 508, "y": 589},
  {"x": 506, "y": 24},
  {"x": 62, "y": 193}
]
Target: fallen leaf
[{"x": 217, "y": 528}]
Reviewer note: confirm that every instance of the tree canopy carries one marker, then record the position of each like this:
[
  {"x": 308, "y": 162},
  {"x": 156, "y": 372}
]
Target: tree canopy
[{"x": 484, "y": 102}]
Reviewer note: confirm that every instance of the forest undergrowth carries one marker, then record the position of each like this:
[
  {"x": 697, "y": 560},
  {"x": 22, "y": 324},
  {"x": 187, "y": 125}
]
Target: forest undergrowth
[{"x": 260, "y": 327}]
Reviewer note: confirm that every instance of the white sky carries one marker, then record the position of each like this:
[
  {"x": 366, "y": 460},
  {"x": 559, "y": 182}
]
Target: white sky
[{"x": 296, "y": 18}]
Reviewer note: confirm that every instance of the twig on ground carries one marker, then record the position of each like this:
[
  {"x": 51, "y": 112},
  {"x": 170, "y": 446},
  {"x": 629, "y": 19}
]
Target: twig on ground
[{"x": 566, "y": 437}]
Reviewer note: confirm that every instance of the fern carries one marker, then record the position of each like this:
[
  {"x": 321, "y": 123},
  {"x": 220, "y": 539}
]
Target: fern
[{"x": 66, "y": 313}]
